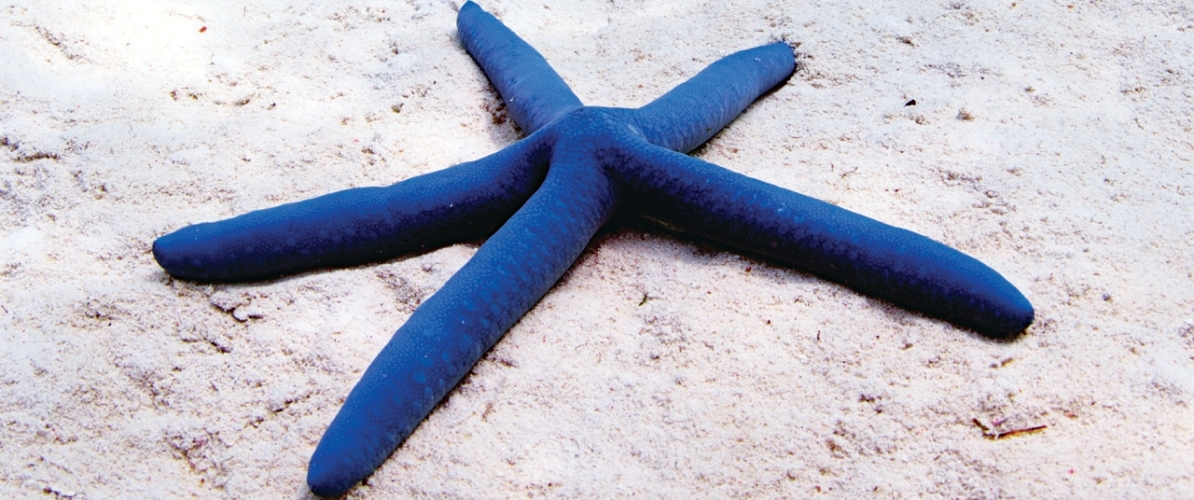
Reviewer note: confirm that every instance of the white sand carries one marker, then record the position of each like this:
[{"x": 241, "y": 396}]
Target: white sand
[{"x": 1051, "y": 141}]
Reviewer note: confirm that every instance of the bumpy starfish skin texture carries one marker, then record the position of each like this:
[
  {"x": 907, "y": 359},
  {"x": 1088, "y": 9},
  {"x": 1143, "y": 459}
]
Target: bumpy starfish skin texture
[{"x": 540, "y": 201}]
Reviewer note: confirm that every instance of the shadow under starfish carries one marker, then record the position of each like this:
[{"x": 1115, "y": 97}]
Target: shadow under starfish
[{"x": 546, "y": 196}]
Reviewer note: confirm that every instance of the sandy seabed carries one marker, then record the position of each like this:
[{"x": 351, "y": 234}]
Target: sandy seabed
[{"x": 1051, "y": 140}]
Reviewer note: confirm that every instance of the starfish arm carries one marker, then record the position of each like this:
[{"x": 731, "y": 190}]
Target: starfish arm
[
  {"x": 533, "y": 91},
  {"x": 360, "y": 225},
  {"x": 894, "y": 264},
  {"x": 695, "y": 110},
  {"x": 450, "y": 332}
]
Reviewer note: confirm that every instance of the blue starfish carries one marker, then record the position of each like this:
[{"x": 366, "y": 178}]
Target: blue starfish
[{"x": 549, "y": 193}]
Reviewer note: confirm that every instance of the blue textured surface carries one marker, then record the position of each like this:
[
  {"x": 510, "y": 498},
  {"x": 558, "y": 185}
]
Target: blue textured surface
[
  {"x": 550, "y": 193},
  {"x": 361, "y": 225},
  {"x": 534, "y": 93}
]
